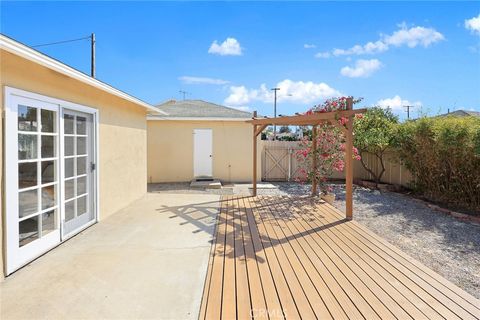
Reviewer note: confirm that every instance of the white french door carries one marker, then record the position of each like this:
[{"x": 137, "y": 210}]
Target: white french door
[
  {"x": 50, "y": 179},
  {"x": 77, "y": 171}
]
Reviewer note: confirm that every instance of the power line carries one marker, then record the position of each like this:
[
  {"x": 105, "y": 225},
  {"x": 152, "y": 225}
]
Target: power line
[
  {"x": 60, "y": 42},
  {"x": 92, "y": 49}
]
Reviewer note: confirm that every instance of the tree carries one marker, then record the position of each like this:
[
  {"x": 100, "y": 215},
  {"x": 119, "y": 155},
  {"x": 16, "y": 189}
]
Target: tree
[
  {"x": 284, "y": 129},
  {"x": 374, "y": 133}
]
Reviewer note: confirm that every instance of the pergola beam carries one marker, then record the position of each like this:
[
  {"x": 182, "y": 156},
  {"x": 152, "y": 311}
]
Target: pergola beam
[{"x": 306, "y": 119}]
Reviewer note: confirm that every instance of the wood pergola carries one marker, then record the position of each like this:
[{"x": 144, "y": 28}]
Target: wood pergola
[{"x": 315, "y": 119}]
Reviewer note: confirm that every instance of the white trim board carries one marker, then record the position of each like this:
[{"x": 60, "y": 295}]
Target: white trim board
[
  {"x": 28, "y": 53},
  {"x": 160, "y": 118}
]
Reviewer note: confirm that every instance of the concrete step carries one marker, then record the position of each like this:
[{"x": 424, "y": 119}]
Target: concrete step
[{"x": 206, "y": 184}]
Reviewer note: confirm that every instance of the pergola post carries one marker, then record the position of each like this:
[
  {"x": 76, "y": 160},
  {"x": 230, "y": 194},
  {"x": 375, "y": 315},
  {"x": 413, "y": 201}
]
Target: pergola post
[
  {"x": 314, "y": 160},
  {"x": 349, "y": 163},
  {"x": 254, "y": 190}
]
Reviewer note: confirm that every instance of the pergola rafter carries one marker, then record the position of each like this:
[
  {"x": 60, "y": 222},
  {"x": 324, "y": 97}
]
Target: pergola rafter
[{"x": 314, "y": 119}]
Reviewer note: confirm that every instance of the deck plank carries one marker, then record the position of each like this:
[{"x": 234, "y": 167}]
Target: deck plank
[
  {"x": 262, "y": 288},
  {"x": 229, "y": 303},
  {"x": 447, "y": 305},
  {"x": 455, "y": 293},
  {"x": 283, "y": 284},
  {"x": 294, "y": 266},
  {"x": 212, "y": 303},
  {"x": 296, "y": 257},
  {"x": 244, "y": 306},
  {"x": 323, "y": 291}
]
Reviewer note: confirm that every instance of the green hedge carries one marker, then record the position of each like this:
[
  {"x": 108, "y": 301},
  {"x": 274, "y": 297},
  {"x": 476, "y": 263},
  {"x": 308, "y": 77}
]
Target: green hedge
[{"x": 443, "y": 154}]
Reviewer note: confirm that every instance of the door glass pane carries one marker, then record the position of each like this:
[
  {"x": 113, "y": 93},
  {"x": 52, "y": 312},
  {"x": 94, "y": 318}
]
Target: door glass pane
[
  {"x": 27, "y": 174},
  {"x": 27, "y": 118},
  {"x": 81, "y": 145},
  {"x": 69, "y": 146},
  {"x": 69, "y": 210},
  {"x": 48, "y": 146},
  {"x": 81, "y": 165},
  {"x": 27, "y": 146},
  {"x": 48, "y": 222},
  {"x": 28, "y": 230},
  {"x": 69, "y": 189},
  {"x": 48, "y": 121},
  {"x": 69, "y": 167},
  {"x": 81, "y": 125},
  {"x": 48, "y": 197},
  {"x": 81, "y": 205},
  {"x": 48, "y": 171},
  {"x": 27, "y": 202},
  {"x": 81, "y": 186},
  {"x": 68, "y": 124}
]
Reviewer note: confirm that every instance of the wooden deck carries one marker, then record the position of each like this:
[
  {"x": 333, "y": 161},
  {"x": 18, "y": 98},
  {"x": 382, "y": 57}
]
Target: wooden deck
[{"x": 297, "y": 258}]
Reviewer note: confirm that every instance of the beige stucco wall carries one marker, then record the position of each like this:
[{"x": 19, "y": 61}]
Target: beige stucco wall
[
  {"x": 122, "y": 131},
  {"x": 170, "y": 150}
]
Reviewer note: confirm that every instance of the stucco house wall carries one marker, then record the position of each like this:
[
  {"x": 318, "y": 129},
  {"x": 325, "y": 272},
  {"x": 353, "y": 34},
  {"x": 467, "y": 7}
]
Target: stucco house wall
[
  {"x": 122, "y": 132},
  {"x": 170, "y": 150}
]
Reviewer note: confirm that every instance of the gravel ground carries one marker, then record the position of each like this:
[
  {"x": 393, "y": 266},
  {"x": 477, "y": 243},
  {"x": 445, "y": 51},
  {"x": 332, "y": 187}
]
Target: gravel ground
[{"x": 446, "y": 245}]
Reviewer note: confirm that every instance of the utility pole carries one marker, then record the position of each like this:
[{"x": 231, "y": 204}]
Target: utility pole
[
  {"x": 92, "y": 44},
  {"x": 184, "y": 93},
  {"x": 275, "y": 111},
  {"x": 408, "y": 111}
]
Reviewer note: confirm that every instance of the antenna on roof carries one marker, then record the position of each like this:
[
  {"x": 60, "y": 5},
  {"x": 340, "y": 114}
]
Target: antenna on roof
[{"x": 184, "y": 93}]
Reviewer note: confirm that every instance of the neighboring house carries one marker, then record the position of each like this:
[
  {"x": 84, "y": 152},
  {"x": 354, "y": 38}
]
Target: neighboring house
[
  {"x": 461, "y": 113},
  {"x": 198, "y": 139},
  {"x": 74, "y": 150}
]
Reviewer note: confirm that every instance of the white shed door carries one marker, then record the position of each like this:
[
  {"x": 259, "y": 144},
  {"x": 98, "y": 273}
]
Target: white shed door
[{"x": 202, "y": 153}]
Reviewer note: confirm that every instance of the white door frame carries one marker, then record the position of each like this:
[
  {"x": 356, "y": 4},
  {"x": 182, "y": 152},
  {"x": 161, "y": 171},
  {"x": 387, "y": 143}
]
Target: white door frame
[
  {"x": 14, "y": 258},
  {"x": 197, "y": 167}
]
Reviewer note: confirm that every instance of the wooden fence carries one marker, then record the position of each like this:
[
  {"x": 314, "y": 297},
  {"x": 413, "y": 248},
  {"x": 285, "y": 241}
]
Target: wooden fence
[{"x": 279, "y": 163}]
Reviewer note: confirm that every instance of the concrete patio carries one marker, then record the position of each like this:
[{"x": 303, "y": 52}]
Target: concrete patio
[{"x": 149, "y": 260}]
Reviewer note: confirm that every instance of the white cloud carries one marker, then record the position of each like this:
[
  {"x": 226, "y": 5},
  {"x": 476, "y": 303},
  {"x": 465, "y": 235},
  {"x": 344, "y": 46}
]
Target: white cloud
[
  {"x": 291, "y": 91},
  {"x": 410, "y": 37},
  {"x": 309, "y": 46},
  {"x": 323, "y": 55},
  {"x": 362, "y": 68},
  {"x": 473, "y": 24},
  {"x": 202, "y": 80},
  {"x": 229, "y": 47},
  {"x": 369, "y": 48},
  {"x": 413, "y": 37},
  {"x": 397, "y": 103},
  {"x": 243, "y": 108}
]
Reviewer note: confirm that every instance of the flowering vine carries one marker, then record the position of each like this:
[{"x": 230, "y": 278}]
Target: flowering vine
[{"x": 330, "y": 150}]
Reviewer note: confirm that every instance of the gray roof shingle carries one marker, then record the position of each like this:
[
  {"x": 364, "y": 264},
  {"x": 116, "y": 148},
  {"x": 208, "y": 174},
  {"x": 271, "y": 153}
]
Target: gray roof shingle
[
  {"x": 461, "y": 113},
  {"x": 199, "y": 109}
]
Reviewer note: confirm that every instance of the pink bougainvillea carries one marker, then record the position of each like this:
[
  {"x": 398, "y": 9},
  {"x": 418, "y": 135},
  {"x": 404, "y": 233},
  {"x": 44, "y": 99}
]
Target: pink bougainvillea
[{"x": 330, "y": 153}]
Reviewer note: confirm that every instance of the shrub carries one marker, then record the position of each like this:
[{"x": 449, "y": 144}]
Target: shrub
[
  {"x": 373, "y": 133},
  {"x": 443, "y": 154}
]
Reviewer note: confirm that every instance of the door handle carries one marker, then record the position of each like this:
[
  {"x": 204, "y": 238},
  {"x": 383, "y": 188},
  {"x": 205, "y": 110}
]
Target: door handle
[{"x": 93, "y": 166}]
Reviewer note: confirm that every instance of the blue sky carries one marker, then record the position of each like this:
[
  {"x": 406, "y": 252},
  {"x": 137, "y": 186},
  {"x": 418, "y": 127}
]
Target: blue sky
[{"x": 424, "y": 54}]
